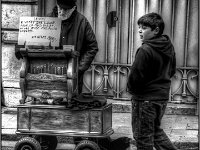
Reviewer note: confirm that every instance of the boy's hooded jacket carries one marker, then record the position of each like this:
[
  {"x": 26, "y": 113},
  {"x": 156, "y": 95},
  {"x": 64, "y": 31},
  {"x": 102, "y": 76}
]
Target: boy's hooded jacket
[{"x": 154, "y": 65}]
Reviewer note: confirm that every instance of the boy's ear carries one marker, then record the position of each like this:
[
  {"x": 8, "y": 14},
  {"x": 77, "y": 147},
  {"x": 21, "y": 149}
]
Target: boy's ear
[{"x": 156, "y": 30}]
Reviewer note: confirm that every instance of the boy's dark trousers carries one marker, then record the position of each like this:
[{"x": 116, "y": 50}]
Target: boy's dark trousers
[{"x": 146, "y": 121}]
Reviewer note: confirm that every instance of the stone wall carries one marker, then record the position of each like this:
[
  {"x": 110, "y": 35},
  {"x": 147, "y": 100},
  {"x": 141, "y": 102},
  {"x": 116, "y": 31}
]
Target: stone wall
[{"x": 11, "y": 12}]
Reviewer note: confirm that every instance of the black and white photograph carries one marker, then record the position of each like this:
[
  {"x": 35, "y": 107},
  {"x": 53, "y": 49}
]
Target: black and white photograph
[{"x": 100, "y": 75}]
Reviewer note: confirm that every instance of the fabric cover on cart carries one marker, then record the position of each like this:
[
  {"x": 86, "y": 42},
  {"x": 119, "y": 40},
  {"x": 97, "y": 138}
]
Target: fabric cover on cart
[{"x": 82, "y": 101}]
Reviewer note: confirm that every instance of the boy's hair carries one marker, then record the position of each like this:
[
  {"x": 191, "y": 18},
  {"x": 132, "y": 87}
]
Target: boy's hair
[{"x": 152, "y": 20}]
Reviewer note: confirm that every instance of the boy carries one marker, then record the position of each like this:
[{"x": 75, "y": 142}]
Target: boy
[{"x": 149, "y": 83}]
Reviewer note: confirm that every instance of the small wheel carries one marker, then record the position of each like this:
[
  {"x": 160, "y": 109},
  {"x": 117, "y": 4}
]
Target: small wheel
[
  {"x": 87, "y": 145},
  {"x": 47, "y": 142},
  {"x": 27, "y": 143}
]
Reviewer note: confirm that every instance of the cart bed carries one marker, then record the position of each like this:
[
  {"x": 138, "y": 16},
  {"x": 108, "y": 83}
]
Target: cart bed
[{"x": 57, "y": 120}]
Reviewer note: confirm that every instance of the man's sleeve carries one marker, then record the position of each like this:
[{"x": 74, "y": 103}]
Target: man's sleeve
[
  {"x": 173, "y": 65},
  {"x": 90, "y": 48}
]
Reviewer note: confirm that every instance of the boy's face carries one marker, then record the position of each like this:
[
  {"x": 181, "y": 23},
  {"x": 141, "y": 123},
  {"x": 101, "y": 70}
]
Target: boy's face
[{"x": 147, "y": 33}]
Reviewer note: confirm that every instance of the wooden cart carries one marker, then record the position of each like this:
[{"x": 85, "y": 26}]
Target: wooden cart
[{"x": 48, "y": 75}]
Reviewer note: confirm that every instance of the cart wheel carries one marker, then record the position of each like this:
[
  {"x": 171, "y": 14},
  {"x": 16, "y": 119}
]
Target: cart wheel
[
  {"x": 47, "y": 142},
  {"x": 27, "y": 143},
  {"x": 87, "y": 145}
]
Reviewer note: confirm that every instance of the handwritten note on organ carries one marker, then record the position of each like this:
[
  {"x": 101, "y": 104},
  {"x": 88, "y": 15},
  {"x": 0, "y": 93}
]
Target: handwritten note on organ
[{"x": 39, "y": 31}]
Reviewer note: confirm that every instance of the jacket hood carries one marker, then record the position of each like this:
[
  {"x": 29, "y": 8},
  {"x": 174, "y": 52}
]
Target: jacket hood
[{"x": 161, "y": 44}]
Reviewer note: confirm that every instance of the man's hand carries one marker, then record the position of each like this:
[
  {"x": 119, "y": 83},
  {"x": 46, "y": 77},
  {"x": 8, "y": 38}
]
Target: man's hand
[
  {"x": 17, "y": 51},
  {"x": 75, "y": 54}
]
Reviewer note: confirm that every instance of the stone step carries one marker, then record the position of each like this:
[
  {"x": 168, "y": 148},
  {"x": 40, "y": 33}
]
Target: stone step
[
  {"x": 125, "y": 107},
  {"x": 172, "y": 108},
  {"x": 181, "y": 129}
]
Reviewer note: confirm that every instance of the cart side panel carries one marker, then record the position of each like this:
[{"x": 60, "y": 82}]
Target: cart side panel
[
  {"x": 107, "y": 118},
  {"x": 59, "y": 120},
  {"x": 23, "y": 118},
  {"x": 70, "y": 88},
  {"x": 96, "y": 121},
  {"x": 72, "y": 82}
]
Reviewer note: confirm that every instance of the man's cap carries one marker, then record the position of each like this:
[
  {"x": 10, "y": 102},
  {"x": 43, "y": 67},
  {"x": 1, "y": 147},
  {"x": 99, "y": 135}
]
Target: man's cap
[{"x": 66, "y": 4}]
